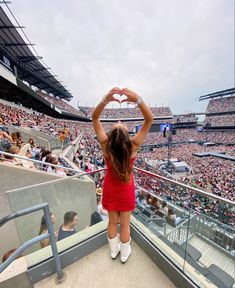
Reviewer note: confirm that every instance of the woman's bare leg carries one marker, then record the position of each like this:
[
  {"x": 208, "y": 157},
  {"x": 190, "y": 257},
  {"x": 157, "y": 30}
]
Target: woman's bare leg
[
  {"x": 112, "y": 225},
  {"x": 125, "y": 226}
]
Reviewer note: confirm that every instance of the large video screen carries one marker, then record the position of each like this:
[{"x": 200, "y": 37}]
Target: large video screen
[
  {"x": 167, "y": 126},
  {"x": 156, "y": 127},
  {"x": 137, "y": 128}
]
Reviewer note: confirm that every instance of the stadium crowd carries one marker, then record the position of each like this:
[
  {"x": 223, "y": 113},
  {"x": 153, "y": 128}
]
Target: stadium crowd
[
  {"x": 181, "y": 196},
  {"x": 221, "y": 105},
  {"x": 131, "y": 112},
  {"x": 12, "y": 116},
  {"x": 192, "y": 135},
  {"x": 220, "y": 121},
  {"x": 61, "y": 104},
  {"x": 187, "y": 118},
  {"x": 211, "y": 174}
]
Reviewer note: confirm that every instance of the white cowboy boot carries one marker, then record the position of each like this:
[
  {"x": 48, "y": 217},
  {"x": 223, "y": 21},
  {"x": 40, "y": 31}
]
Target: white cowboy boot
[
  {"x": 114, "y": 245},
  {"x": 125, "y": 250}
]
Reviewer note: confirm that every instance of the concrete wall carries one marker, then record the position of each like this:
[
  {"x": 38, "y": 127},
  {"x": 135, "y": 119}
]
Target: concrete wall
[
  {"x": 12, "y": 177},
  {"x": 69, "y": 194}
]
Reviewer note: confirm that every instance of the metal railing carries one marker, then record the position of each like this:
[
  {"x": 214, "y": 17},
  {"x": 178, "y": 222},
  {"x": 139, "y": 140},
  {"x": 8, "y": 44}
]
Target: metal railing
[
  {"x": 39, "y": 162},
  {"x": 27, "y": 244},
  {"x": 193, "y": 189},
  {"x": 179, "y": 233}
]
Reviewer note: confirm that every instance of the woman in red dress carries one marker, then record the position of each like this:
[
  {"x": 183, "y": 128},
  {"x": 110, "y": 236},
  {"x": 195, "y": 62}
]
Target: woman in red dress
[{"x": 120, "y": 151}]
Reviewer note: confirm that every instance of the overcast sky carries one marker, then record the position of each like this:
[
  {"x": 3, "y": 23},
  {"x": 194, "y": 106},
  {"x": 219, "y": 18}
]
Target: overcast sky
[{"x": 168, "y": 51}]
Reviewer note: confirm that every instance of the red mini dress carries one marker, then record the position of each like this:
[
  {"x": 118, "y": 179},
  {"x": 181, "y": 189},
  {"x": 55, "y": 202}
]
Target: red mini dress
[{"x": 118, "y": 196}]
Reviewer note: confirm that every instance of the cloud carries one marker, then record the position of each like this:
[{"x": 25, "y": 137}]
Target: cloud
[{"x": 168, "y": 51}]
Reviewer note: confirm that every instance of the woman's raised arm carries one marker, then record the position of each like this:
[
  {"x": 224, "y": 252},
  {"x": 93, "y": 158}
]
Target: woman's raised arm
[
  {"x": 139, "y": 138},
  {"x": 102, "y": 137}
]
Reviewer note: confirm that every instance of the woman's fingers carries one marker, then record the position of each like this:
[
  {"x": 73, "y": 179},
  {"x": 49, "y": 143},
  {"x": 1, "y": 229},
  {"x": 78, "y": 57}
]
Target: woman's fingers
[
  {"x": 126, "y": 90},
  {"x": 116, "y": 90}
]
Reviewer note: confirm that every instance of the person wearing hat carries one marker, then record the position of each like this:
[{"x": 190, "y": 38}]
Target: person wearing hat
[{"x": 103, "y": 213}]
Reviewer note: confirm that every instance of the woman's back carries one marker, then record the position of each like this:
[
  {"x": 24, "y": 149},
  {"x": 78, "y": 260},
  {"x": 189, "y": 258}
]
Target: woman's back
[
  {"x": 110, "y": 173},
  {"x": 118, "y": 195}
]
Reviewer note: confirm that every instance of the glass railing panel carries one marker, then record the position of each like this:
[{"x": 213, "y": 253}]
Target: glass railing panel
[
  {"x": 73, "y": 205},
  {"x": 202, "y": 232},
  {"x": 9, "y": 239},
  {"x": 160, "y": 209},
  {"x": 211, "y": 248}
]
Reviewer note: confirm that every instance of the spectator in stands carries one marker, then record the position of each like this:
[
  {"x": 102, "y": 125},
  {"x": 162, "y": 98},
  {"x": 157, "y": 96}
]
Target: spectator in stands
[
  {"x": 15, "y": 140},
  {"x": 156, "y": 203},
  {"x": 68, "y": 227},
  {"x": 20, "y": 140},
  {"x": 43, "y": 230},
  {"x": 26, "y": 163},
  {"x": 31, "y": 142},
  {"x": 10, "y": 159},
  {"x": 103, "y": 213},
  {"x": 51, "y": 160},
  {"x": 87, "y": 169},
  {"x": 164, "y": 208},
  {"x": 120, "y": 151},
  {"x": 171, "y": 215},
  {"x": 60, "y": 170},
  {"x": 5, "y": 141},
  {"x": 8, "y": 254},
  {"x": 25, "y": 149},
  {"x": 2, "y": 125},
  {"x": 141, "y": 198},
  {"x": 95, "y": 218},
  {"x": 44, "y": 155}
]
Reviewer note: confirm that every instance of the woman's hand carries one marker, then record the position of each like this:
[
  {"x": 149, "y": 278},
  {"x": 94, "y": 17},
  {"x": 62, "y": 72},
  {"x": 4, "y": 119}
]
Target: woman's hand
[
  {"x": 109, "y": 97},
  {"x": 131, "y": 95}
]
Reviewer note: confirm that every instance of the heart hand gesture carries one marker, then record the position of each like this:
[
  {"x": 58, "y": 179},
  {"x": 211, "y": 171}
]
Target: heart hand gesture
[
  {"x": 109, "y": 97},
  {"x": 131, "y": 96},
  {"x": 123, "y": 95}
]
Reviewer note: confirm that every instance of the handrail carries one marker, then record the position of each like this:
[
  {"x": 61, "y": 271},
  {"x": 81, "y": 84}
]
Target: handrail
[
  {"x": 196, "y": 190},
  {"x": 38, "y": 161},
  {"x": 181, "y": 224},
  {"x": 26, "y": 245},
  {"x": 81, "y": 173}
]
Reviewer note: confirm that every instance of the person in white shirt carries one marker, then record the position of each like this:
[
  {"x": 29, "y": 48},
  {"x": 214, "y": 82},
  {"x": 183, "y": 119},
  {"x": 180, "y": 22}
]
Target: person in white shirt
[
  {"x": 171, "y": 215},
  {"x": 103, "y": 213},
  {"x": 164, "y": 208}
]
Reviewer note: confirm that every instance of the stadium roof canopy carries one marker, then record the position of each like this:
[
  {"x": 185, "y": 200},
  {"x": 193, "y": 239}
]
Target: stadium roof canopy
[
  {"x": 221, "y": 93},
  {"x": 28, "y": 64}
]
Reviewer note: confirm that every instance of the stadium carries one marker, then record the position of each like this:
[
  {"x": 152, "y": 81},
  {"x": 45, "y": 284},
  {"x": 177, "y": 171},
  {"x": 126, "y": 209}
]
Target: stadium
[{"x": 51, "y": 163}]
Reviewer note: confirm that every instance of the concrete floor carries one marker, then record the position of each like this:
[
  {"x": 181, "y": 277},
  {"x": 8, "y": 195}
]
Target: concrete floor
[{"x": 98, "y": 270}]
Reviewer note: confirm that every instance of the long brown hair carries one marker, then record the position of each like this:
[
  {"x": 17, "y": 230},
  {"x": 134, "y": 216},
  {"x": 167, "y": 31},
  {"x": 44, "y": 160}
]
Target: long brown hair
[{"x": 118, "y": 149}]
